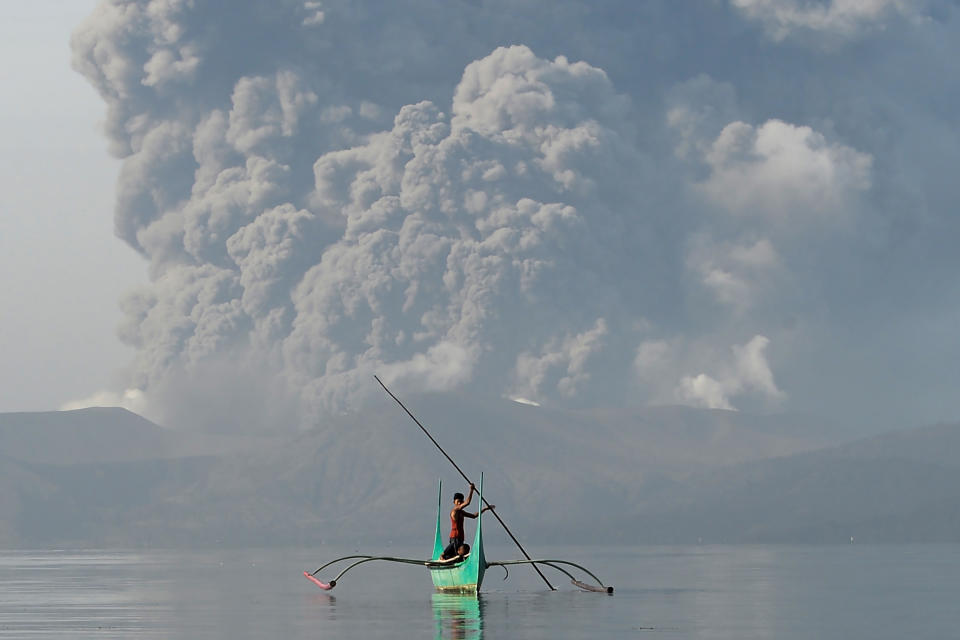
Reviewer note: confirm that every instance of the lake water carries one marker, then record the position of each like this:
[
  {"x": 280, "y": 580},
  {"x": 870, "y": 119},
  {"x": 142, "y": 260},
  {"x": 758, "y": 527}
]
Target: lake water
[{"x": 740, "y": 592}]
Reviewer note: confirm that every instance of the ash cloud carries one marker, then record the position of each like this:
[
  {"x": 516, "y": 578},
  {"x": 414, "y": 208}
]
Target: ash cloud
[{"x": 558, "y": 201}]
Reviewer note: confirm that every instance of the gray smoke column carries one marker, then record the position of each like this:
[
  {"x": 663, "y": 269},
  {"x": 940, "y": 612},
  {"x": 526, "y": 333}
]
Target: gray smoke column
[
  {"x": 324, "y": 190},
  {"x": 300, "y": 227}
]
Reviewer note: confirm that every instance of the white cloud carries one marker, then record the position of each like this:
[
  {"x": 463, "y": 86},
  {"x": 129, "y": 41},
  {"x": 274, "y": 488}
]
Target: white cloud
[
  {"x": 842, "y": 18},
  {"x": 749, "y": 372},
  {"x": 779, "y": 171},
  {"x": 443, "y": 367},
  {"x": 564, "y": 359},
  {"x": 736, "y": 274},
  {"x": 760, "y": 254},
  {"x": 697, "y": 110},
  {"x": 652, "y": 356},
  {"x": 703, "y": 391},
  {"x": 752, "y": 370},
  {"x": 314, "y": 11}
]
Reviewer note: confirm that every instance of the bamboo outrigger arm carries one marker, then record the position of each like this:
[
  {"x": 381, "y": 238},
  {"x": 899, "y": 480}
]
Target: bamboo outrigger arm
[
  {"x": 360, "y": 560},
  {"x": 553, "y": 565},
  {"x": 336, "y": 561}
]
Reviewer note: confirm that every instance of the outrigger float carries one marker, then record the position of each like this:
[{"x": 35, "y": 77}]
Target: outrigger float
[{"x": 463, "y": 575}]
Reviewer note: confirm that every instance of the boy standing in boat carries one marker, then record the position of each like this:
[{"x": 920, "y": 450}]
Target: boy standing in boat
[{"x": 456, "y": 521}]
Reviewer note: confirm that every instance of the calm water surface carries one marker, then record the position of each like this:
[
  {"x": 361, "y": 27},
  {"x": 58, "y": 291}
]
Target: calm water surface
[{"x": 740, "y": 592}]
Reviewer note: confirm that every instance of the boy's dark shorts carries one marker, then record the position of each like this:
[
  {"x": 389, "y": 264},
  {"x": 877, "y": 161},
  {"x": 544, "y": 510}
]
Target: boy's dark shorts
[{"x": 451, "y": 549}]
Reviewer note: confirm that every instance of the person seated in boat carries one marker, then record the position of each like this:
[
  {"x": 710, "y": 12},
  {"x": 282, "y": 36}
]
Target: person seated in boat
[
  {"x": 462, "y": 552},
  {"x": 457, "y": 515}
]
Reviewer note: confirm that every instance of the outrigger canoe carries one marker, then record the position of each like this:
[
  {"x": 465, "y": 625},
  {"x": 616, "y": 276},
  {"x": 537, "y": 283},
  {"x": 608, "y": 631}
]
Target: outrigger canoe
[
  {"x": 461, "y": 576},
  {"x": 464, "y": 576}
]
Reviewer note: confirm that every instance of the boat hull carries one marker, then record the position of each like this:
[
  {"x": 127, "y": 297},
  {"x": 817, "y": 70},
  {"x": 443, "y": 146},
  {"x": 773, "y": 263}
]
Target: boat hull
[
  {"x": 464, "y": 579},
  {"x": 466, "y": 576}
]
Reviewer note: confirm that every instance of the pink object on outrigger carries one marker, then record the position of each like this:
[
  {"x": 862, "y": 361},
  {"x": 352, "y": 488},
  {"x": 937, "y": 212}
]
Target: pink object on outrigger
[{"x": 322, "y": 585}]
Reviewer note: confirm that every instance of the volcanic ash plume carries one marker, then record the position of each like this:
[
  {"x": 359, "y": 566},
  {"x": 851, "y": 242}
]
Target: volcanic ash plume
[
  {"x": 289, "y": 239},
  {"x": 325, "y": 190}
]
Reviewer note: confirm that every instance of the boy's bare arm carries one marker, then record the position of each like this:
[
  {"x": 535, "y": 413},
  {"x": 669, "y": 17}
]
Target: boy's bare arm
[
  {"x": 473, "y": 515},
  {"x": 469, "y": 496}
]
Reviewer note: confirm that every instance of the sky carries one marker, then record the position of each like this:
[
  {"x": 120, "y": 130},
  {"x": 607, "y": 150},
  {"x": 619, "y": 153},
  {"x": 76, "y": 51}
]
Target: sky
[
  {"x": 63, "y": 269},
  {"x": 251, "y": 209}
]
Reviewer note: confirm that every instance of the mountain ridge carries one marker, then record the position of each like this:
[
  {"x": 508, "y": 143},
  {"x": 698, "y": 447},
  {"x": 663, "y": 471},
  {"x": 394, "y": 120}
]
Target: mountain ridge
[{"x": 659, "y": 475}]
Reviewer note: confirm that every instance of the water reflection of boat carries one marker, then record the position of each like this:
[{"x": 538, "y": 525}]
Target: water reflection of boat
[{"x": 458, "y": 616}]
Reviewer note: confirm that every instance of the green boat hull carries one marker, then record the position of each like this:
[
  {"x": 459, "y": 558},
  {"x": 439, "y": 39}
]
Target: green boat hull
[{"x": 466, "y": 576}]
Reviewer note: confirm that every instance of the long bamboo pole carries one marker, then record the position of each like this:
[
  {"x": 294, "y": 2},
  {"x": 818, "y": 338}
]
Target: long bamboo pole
[{"x": 457, "y": 467}]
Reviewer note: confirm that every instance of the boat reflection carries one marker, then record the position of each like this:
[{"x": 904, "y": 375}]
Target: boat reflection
[{"x": 458, "y": 616}]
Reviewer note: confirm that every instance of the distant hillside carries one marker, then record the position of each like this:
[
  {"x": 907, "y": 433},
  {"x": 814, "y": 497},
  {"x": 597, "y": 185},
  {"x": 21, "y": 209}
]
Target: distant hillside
[
  {"x": 558, "y": 473},
  {"x": 897, "y": 487},
  {"x": 84, "y": 435},
  {"x": 669, "y": 474},
  {"x": 106, "y": 434}
]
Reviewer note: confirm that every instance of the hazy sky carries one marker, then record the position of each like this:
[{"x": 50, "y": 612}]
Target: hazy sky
[
  {"x": 63, "y": 269},
  {"x": 740, "y": 204}
]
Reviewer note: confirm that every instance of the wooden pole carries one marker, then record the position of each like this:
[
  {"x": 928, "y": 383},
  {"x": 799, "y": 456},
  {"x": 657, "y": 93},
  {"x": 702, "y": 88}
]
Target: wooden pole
[{"x": 455, "y": 466}]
